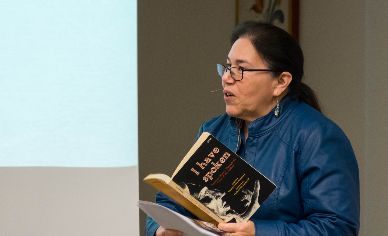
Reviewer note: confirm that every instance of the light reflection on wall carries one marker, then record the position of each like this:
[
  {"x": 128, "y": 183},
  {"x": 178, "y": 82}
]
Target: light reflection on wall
[{"x": 68, "y": 83}]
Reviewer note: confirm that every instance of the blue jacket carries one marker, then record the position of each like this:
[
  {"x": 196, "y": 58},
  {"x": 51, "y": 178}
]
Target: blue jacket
[{"x": 311, "y": 162}]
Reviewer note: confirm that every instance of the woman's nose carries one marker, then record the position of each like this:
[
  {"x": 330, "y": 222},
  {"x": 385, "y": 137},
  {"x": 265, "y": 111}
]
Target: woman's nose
[{"x": 227, "y": 77}]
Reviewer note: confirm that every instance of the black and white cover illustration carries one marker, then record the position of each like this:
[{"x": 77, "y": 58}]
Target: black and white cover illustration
[{"x": 223, "y": 182}]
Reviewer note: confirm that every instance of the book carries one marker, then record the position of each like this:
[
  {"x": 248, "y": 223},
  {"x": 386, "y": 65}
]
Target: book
[
  {"x": 170, "y": 219},
  {"x": 214, "y": 183}
]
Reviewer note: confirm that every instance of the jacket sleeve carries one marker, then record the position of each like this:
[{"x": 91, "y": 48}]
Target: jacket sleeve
[{"x": 329, "y": 185}]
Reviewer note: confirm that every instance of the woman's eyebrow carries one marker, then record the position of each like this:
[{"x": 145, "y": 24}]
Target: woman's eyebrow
[{"x": 239, "y": 61}]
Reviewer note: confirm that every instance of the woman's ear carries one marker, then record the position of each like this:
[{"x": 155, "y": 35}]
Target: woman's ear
[{"x": 282, "y": 83}]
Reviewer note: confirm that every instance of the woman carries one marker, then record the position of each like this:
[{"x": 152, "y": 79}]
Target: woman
[{"x": 274, "y": 122}]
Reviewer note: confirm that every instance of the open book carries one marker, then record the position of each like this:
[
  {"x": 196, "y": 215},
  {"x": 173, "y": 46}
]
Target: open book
[{"x": 214, "y": 183}]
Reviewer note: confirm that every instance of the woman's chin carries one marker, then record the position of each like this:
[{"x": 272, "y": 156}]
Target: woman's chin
[{"x": 232, "y": 112}]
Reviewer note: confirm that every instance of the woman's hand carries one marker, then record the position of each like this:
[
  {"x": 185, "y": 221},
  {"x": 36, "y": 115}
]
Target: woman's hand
[
  {"x": 167, "y": 232},
  {"x": 234, "y": 229}
]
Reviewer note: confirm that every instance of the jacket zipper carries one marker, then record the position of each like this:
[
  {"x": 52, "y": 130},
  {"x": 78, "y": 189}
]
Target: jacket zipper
[{"x": 238, "y": 137}]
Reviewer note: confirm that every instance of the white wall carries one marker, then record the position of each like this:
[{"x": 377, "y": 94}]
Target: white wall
[
  {"x": 68, "y": 97},
  {"x": 68, "y": 201},
  {"x": 376, "y": 128}
]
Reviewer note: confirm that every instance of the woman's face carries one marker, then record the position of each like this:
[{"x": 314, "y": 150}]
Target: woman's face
[{"x": 252, "y": 97}]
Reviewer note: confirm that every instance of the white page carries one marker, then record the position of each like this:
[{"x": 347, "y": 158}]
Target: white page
[{"x": 172, "y": 220}]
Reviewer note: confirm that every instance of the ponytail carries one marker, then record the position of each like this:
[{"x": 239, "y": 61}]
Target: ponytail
[{"x": 304, "y": 93}]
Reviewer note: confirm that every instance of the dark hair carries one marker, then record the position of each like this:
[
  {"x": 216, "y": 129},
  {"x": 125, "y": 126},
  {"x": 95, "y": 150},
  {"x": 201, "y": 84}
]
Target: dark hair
[{"x": 282, "y": 53}]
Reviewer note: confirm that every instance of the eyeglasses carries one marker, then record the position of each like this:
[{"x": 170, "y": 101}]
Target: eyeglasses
[{"x": 236, "y": 72}]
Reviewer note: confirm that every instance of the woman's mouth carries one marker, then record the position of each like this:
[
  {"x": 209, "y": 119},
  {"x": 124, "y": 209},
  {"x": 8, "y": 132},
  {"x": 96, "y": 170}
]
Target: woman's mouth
[
  {"x": 228, "y": 93},
  {"x": 229, "y": 97}
]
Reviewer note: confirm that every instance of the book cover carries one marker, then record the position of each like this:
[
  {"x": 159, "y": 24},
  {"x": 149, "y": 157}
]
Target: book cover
[{"x": 221, "y": 180}]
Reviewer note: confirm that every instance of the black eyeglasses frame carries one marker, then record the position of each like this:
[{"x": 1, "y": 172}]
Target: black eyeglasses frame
[{"x": 222, "y": 69}]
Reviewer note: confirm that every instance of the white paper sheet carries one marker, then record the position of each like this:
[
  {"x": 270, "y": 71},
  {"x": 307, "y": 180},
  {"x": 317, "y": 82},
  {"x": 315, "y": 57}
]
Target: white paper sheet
[{"x": 172, "y": 220}]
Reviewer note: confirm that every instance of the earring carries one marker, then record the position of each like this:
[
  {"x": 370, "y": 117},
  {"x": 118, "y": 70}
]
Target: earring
[{"x": 277, "y": 109}]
